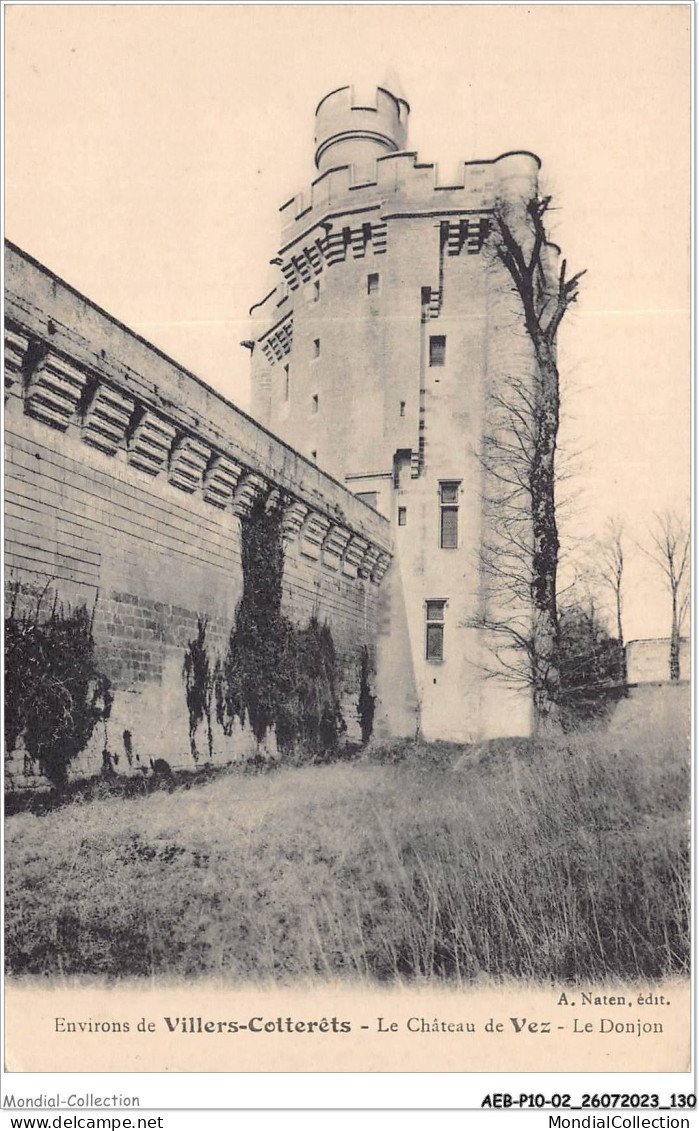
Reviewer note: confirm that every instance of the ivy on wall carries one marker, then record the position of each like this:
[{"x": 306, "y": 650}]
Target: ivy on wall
[
  {"x": 367, "y": 701},
  {"x": 54, "y": 693},
  {"x": 275, "y": 676},
  {"x": 199, "y": 685}
]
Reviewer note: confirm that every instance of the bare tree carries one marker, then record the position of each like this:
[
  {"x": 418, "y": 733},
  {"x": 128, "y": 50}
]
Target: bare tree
[
  {"x": 519, "y": 456},
  {"x": 669, "y": 549},
  {"x": 611, "y": 572}
]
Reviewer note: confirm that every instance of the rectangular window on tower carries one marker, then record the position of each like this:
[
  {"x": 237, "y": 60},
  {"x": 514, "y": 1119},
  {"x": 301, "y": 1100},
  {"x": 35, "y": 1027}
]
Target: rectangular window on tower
[
  {"x": 402, "y": 516},
  {"x": 438, "y": 349},
  {"x": 434, "y": 630},
  {"x": 316, "y": 347},
  {"x": 449, "y": 516},
  {"x": 372, "y": 283}
]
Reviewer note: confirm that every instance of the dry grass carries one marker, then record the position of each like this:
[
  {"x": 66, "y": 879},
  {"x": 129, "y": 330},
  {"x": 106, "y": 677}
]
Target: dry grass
[{"x": 565, "y": 860}]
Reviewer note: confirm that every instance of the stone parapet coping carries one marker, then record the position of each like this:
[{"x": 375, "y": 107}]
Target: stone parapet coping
[{"x": 75, "y": 369}]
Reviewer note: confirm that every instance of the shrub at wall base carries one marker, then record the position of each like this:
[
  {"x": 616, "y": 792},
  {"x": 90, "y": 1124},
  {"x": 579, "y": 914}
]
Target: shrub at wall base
[
  {"x": 275, "y": 676},
  {"x": 54, "y": 693}
]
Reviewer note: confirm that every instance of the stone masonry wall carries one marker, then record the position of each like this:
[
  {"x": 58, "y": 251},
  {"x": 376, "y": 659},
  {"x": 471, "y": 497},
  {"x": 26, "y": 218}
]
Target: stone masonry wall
[{"x": 127, "y": 481}]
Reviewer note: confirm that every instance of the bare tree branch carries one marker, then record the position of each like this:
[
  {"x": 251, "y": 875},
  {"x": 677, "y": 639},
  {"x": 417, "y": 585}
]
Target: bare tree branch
[
  {"x": 611, "y": 571},
  {"x": 669, "y": 550}
]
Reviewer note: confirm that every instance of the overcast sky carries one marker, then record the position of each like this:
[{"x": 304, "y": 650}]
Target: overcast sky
[{"x": 149, "y": 149}]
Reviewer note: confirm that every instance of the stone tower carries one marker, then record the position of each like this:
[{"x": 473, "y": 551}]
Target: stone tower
[{"x": 385, "y": 325}]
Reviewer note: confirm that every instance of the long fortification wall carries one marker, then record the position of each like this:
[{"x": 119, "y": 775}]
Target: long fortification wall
[{"x": 127, "y": 480}]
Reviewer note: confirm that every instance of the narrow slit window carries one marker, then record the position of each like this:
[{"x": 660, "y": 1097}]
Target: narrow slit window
[
  {"x": 316, "y": 347},
  {"x": 286, "y": 382},
  {"x": 402, "y": 516},
  {"x": 372, "y": 283},
  {"x": 434, "y": 630},
  {"x": 438, "y": 349},
  {"x": 449, "y": 516},
  {"x": 402, "y": 408},
  {"x": 314, "y": 455},
  {"x": 316, "y": 290},
  {"x": 314, "y": 403}
]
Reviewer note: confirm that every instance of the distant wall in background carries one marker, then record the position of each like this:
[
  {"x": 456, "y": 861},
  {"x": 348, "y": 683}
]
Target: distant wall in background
[{"x": 648, "y": 661}]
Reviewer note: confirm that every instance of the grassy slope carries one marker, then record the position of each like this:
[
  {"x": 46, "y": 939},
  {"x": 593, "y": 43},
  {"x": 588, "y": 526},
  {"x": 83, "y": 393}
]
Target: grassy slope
[{"x": 565, "y": 860}]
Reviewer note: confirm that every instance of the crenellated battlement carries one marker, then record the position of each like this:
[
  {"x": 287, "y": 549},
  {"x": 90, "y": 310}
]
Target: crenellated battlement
[
  {"x": 340, "y": 219},
  {"x": 403, "y": 184},
  {"x": 347, "y": 211}
]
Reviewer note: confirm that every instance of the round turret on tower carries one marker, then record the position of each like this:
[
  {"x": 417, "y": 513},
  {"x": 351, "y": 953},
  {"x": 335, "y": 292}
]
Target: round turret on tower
[{"x": 356, "y": 134}]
